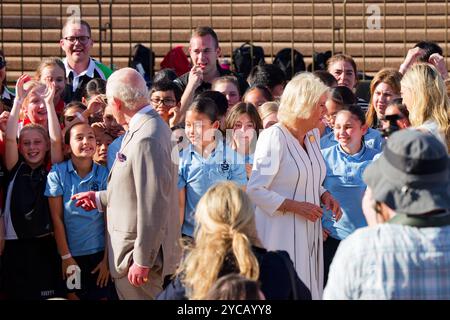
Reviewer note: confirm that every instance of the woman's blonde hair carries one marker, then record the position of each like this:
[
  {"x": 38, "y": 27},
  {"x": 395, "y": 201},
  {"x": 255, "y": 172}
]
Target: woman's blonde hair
[
  {"x": 225, "y": 231},
  {"x": 267, "y": 108},
  {"x": 300, "y": 97},
  {"x": 389, "y": 76},
  {"x": 429, "y": 99}
]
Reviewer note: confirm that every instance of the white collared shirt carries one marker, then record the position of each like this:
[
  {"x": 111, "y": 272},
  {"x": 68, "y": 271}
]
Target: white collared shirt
[{"x": 76, "y": 77}]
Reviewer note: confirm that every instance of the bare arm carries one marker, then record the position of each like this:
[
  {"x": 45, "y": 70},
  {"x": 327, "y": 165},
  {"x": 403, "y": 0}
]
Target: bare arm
[
  {"x": 195, "y": 80},
  {"x": 182, "y": 204},
  {"x": 57, "y": 214},
  {"x": 54, "y": 129},
  {"x": 12, "y": 153}
]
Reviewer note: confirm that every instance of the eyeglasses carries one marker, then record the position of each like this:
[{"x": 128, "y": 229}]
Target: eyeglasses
[
  {"x": 80, "y": 39},
  {"x": 166, "y": 102}
]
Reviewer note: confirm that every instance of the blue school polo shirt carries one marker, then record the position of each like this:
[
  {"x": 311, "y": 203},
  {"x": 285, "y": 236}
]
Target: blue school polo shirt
[
  {"x": 85, "y": 230},
  {"x": 372, "y": 140},
  {"x": 113, "y": 148},
  {"x": 198, "y": 174},
  {"x": 345, "y": 183}
]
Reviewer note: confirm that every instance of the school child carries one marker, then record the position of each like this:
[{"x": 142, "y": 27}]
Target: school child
[
  {"x": 340, "y": 97},
  {"x": 345, "y": 163},
  {"x": 95, "y": 99},
  {"x": 165, "y": 97},
  {"x": 103, "y": 139},
  {"x": 229, "y": 87},
  {"x": 205, "y": 161},
  {"x": 80, "y": 234},
  {"x": 52, "y": 69},
  {"x": 243, "y": 126},
  {"x": 257, "y": 95},
  {"x": 30, "y": 258}
]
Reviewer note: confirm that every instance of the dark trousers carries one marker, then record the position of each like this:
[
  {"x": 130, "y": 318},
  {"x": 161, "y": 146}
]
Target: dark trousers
[{"x": 329, "y": 250}]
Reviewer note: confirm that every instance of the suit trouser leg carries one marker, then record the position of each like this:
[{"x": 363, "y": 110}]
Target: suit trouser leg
[{"x": 148, "y": 291}]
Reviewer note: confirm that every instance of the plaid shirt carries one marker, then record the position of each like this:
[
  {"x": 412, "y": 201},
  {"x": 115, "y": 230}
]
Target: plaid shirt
[{"x": 392, "y": 261}]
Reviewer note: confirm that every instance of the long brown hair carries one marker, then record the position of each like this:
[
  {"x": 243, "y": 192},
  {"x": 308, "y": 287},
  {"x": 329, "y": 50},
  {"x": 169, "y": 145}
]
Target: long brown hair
[{"x": 389, "y": 76}]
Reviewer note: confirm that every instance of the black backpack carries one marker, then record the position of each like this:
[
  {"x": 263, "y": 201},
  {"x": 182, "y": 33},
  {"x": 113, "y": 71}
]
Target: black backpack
[
  {"x": 283, "y": 59},
  {"x": 143, "y": 60},
  {"x": 246, "y": 57},
  {"x": 320, "y": 60}
]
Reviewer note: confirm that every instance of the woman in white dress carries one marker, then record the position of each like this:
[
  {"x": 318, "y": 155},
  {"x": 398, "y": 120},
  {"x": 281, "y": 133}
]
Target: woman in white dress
[{"x": 286, "y": 181}]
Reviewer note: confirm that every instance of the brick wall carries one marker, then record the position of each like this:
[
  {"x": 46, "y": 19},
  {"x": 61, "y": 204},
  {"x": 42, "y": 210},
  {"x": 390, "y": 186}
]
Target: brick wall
[{"x": 32, "y": 31}]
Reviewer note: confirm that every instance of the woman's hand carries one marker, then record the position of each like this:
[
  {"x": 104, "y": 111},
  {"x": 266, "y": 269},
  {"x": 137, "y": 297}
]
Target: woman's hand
[
  {"x": 307, "y": 210},
  {"x": 331, "y": 204},
  {"x": 103, "y": 273}
]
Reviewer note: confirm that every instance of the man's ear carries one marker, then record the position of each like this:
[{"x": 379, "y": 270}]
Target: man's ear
[
  {"x": 61, "y": 43},
  {"x": 117, "y": 102},
  {"x": 219, "y": 52},
  {"x": 216, "y": 124},
  {"x": 83, "y": 100}
]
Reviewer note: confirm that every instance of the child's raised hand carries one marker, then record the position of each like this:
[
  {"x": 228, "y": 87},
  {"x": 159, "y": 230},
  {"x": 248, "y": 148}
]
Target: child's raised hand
[
  {"x": 4, "y": 120},
  {"x": 49, "y": 93},
  {"x": 21, "y": 93},
  {"x": 96, "y": 104}
]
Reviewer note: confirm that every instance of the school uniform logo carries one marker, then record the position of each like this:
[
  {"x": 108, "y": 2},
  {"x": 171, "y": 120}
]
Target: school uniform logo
[
  {"x": 224, "y": 167},
  {"x": 94, "y": 186}
]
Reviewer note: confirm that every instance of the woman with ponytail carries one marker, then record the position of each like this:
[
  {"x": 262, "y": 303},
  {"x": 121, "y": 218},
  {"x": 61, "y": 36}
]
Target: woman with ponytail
[{"x": 226, "y": 242}]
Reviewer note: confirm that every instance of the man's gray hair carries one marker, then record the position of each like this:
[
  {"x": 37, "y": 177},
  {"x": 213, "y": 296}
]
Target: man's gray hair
[{"x": 129, "y": 87}]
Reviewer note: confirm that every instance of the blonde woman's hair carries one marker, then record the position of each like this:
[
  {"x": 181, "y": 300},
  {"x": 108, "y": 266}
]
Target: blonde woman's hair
[
  {"x": 300, "y": 97},
  {"x": 389, "y": 76},
  {"x": 225, "y": 229},
  {"x": 429, "y": 99},
  {"x": 267, "y": 108}
]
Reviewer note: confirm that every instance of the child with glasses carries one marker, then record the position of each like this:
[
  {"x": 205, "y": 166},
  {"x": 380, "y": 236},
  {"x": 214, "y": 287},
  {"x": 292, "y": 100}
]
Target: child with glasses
[{"x": 165, "y": 97}]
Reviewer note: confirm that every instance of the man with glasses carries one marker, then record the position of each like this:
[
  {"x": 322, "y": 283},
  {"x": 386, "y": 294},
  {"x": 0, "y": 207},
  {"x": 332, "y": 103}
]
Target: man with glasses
[
  {"x": 204, "y": 51},
  {"x": 80, "y": 67},
  {"x": 6, "y": 95}
]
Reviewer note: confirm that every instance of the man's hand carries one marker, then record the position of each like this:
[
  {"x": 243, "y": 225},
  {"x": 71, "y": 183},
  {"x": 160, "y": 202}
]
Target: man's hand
[
  {"x": 85, "y": 200},
  {"x": 195, "y": 78},
  {"x": 138, "y": 275}
]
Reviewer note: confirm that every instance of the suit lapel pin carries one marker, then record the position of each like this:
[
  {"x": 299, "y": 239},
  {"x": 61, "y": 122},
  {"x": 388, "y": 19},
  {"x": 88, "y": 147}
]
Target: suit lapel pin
[{"x": 121, "y": 157}]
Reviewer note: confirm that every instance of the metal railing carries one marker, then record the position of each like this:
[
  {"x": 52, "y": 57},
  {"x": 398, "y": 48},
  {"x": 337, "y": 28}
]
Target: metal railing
[{"x": 264, "y": 22}]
